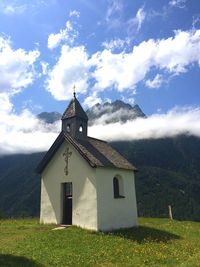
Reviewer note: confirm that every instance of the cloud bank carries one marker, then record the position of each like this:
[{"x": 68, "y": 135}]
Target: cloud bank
[
  {"x": 175, "y": 122},
  {"x": 24, "y": 133}
]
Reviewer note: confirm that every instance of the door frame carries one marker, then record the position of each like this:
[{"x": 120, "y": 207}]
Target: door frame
[{"x": 67, "y": 202}]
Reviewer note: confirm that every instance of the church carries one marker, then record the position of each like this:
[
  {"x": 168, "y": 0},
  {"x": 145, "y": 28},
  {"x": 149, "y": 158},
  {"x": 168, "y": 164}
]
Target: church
[{"x": 84, "y": 181}]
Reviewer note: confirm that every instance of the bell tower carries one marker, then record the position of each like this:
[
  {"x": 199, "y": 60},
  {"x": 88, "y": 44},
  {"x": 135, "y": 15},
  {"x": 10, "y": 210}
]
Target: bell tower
[{"x": 74, "y": 120}]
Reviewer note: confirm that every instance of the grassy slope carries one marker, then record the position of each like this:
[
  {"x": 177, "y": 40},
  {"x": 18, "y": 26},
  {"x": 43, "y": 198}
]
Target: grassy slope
[{"x": 157, "y": 242}]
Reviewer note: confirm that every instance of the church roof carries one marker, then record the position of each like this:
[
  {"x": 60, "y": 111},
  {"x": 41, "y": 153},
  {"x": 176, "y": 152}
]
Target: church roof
[
  {"x": 96, "y": 152},
  {"x": 74, "y": 109}
]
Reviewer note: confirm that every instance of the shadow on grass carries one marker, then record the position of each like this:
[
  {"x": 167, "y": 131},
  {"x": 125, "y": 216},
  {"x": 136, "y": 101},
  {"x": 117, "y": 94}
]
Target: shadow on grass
[
  {"x": 144, "y": 234},
  {"x": 7, "y": 260}
]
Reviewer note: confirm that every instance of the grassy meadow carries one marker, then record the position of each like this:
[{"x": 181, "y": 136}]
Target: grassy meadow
[{"x": 157, "y": 242}]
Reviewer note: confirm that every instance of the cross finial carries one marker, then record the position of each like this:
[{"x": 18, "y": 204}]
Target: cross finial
[{"x": 74, "y": 89}]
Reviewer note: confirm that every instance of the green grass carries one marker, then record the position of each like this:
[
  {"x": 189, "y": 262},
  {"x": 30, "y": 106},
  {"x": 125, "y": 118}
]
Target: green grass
[{"x": 157, "y": 242}]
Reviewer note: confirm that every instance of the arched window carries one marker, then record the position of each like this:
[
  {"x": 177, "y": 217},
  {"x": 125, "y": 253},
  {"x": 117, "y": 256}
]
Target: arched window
[
  {"x": 68, "y": 128},
  {"x": 80, "y": 128},
  {"x": 118, "y": 189}
]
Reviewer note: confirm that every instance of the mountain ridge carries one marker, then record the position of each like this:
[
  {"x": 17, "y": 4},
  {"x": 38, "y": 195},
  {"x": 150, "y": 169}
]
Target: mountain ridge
[{"x": 117, "y": 111}]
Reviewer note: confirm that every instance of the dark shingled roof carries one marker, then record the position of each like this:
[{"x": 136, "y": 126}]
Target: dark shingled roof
[
  {"x": 96, "y": 152},
  {"x": 74, "y": 109}
]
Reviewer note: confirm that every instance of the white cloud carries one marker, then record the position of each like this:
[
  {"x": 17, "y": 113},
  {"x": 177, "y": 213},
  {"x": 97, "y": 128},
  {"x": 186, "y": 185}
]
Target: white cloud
[
  {"x": 115, "y": 18},
  {"x": 16, "y": 7},
  {"x": 68, "y": 35},
  {"x": 44, "y": 66},
  {"x": 129, "y": 100},
  {"x": 124, "y": 70},
  {"x": 5, "y": 105},
  {"x": 114, "y": 13},
  {"x": 175, "y": 122},
  {"x": 116, "y": 43},
  {"x": 177, "y": 3},
  {"x": 29, "y": 105},
  {"x": 196, "y": 21},
  {"x": 74, "y": 13},
  {"x": 71, "y": 69},
  {"x": 138, "y": 20},
  {"x": 140, "y": 17},
  {"x": 115, "y": 7},
  {"x": 24, "y": 133},
  {"x": 12, "y": 9},
  {"x": 92, "y": 100},
  {"x": 156, "y": 82},
  {"x": 16, "y": 67}
]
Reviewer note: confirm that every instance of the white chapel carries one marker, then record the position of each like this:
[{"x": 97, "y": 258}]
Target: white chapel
[{"x": 84, "y": 181}]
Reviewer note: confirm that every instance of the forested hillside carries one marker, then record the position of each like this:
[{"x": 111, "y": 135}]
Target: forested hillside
[
  {"x": 169, "y": 173},
  {"x": 19, "y": 185}
]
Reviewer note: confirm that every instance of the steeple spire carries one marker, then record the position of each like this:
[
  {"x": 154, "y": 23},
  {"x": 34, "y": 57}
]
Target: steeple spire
[
  {"x": 74, "y": 119},
  {"x": 74, "y": 91}
]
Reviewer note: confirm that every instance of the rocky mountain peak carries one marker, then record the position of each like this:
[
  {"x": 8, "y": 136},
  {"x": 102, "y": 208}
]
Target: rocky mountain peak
[
  {"x": 49, "y": 117},
  {"x": 117, "y": 111}
]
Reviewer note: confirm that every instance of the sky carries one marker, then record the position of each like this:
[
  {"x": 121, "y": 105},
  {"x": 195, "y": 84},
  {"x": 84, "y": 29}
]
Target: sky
[{"x": 141, "y": 52}]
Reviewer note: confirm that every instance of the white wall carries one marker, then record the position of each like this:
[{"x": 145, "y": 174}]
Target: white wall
[
  {"x": 115, "y": 213},
  {"x": 82, "y": 176}
]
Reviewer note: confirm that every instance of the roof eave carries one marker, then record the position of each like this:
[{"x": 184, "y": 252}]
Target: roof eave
[{"x": 50, "y": 153}]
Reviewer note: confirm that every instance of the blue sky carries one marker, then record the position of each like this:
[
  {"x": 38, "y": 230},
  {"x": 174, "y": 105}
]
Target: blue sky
[{"x": 142, "y": 52}]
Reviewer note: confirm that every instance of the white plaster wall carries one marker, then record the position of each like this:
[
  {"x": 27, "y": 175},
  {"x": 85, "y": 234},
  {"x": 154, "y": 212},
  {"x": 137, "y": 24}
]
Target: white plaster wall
[
  {"x": 84, "y": 201},
  {"x": 115, "y": 213}
]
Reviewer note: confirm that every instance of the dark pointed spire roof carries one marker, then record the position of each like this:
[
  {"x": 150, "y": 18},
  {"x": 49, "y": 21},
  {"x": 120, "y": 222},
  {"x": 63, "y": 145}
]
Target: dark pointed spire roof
[{"x": 74, "y": 110}]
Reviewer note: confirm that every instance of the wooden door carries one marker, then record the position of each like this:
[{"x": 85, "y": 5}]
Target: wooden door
[{"x": 67, "y": 203}]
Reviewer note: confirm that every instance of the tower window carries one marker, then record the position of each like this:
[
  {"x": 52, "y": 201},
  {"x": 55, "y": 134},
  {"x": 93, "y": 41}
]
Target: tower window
[
  {"x": 81, "y": 129},
  {"x": 68, "y": 128},
  {"x": 118, "y": 189}
]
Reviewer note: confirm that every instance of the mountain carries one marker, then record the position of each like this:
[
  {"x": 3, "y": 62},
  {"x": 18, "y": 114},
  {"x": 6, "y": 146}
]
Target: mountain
[
  {"x": 168, "y": 171},
  {"x": 49, "y": 117},
  {"x": 117, "y": 111}
]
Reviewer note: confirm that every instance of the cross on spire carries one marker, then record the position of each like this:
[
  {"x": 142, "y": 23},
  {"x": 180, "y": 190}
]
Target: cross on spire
[{"x": 74, "y": 91}]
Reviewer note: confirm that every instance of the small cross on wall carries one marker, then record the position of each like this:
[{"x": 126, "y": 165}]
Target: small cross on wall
[{"x": 67, "y": 154}]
